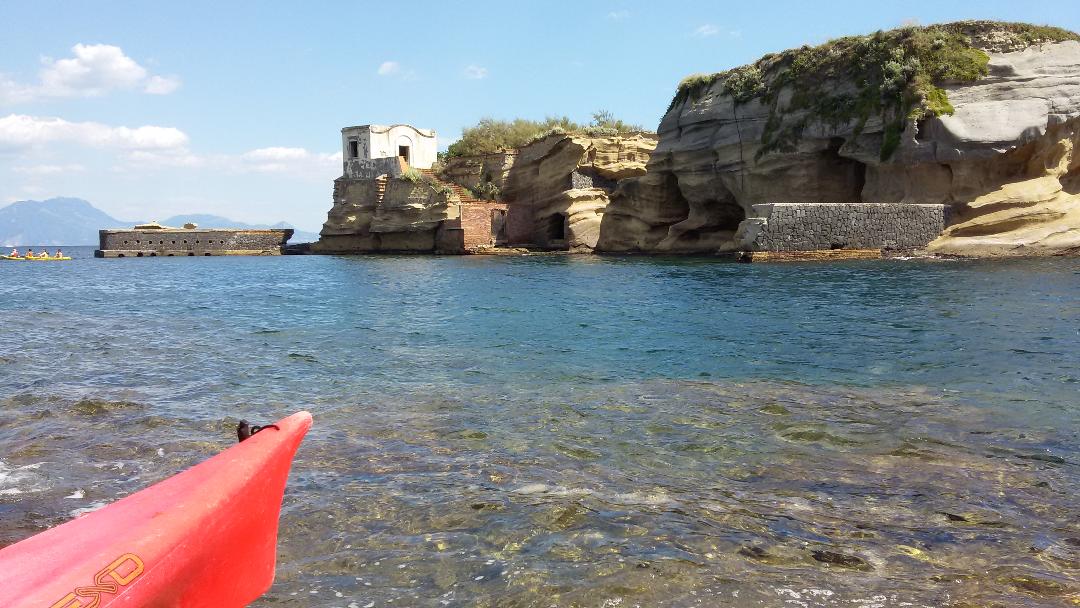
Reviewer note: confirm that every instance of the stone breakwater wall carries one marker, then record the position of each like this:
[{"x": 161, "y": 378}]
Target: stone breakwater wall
[
  {"x": 818, "y": 226},
  {"x": 154, "y": 243}
]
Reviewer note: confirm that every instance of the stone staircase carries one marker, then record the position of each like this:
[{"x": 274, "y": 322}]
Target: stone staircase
[
  {"x": 463, "y": 193},
  {"x": 380, "y": 188}
]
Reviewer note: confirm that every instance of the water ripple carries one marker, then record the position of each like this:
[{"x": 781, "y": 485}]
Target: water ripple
[{"x": 577, "y": 431}]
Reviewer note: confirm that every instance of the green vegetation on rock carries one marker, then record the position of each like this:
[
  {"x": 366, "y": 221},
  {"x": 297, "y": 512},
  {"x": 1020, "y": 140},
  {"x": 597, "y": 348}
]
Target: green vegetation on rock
[
  {"x": 893, "y": 75},
  {"x": 486, "y": 191},
  {"x": 490, "y": 135},
  {"x": 419, "y": 178},
  {"x": 412, "y": 175}
]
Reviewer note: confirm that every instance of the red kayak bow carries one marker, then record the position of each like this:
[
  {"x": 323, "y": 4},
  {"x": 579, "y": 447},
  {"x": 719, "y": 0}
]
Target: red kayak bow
[{"x": 206, "y": 537}]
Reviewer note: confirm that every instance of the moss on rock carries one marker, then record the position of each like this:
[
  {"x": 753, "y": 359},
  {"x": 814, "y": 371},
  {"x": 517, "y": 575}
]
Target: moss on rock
[{"x": 895, "y": 75}]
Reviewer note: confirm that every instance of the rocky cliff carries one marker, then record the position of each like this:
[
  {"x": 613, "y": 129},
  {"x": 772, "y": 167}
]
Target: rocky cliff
[
  {"x": 557, "y": 188},
  {"x": 981, "y": 117},
  {"x": 401, "y": 213}
]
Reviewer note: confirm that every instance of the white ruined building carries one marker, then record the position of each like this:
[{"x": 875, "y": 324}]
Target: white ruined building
[{"x": 418, "y": 147}]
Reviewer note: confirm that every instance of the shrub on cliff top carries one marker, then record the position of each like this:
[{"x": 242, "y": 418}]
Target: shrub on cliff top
[
  {"x": 896, "y": 76},
  {"x": 491, "y": 135},
  {"x": 486, "y": 191},
  {"x": 412, "y": 175},
  {"x": 605, "y": 123},
  {"x": 418, "y": 178}
]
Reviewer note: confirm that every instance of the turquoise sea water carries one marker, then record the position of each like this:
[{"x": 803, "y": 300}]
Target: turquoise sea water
[{"x": 577, "y": 431}]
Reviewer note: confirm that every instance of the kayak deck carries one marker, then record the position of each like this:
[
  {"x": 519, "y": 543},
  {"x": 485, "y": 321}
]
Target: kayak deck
[{"x": 206, "y": 537}]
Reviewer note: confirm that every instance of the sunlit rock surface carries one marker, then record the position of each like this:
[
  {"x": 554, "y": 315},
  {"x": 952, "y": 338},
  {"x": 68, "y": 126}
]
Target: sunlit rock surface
[
  {"x": 1004, "y": 163},
  {"x": 562, "y": 179},
  {"x": 390, "y": 214}
]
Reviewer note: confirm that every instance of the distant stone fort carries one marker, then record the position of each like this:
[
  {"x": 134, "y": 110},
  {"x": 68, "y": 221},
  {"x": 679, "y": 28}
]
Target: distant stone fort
[{"x": 155, "y": 240}]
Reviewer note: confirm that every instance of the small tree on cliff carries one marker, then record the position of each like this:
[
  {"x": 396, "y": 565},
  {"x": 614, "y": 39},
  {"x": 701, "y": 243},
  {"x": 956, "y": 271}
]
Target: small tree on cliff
[{"x": 605, "y": 123}]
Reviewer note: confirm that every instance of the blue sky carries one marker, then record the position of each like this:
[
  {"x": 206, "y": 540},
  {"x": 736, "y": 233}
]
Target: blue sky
[{"x": 149, "y": 109}]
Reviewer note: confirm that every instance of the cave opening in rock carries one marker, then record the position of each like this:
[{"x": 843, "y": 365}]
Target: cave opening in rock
[
  {"x": 556, "y": 227},
  {"x": 1071, "y": 182},
  {"x": 729, "y": 216},
  {"x": 840, "y": 178}
]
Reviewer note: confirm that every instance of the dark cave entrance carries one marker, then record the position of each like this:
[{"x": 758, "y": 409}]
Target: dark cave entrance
[
  {"x": 729, "y": 216},
  {"x": 1070, "y": 183},
  {"x": 556, "y": 227},
  {"x": 840, "y": 178}
]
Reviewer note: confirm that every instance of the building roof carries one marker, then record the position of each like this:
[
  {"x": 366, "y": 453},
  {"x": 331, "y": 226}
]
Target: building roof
[{"x": 384, "y": 129}]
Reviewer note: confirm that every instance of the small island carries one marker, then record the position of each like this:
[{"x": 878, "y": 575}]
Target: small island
[{"x": 954, "y": 139}]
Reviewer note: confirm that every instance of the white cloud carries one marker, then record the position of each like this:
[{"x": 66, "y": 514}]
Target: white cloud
[
  {"x": 396, "y": 70},
  {"x": 22, "y": 131},
  {"x": 93, "y": 71},
  {"x": 39, "y": 170},
  {"x": 276, "y": 153},
  {"x": 706, "y": 31},
  {"x": 618, "y": 15},
  {"x": 279, "y": 160},
  {"x": 475, "y": 72},
  {"x": 254, "y": 184},
  {"x": 293, "y": 161},
  {"x": 709, "y": 31},
  {"x": 14, "y": 92},
  {"x": 178, "y": 157},
  {"x": 161, "y": 85}
]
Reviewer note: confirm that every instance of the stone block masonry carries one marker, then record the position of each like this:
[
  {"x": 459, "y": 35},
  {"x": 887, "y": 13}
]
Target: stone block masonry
[
  {"x": 820, "y": 226},
  {"x": 197, "y": 242}
]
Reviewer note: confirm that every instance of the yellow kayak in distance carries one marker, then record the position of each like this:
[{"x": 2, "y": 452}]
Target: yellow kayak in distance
[{"x": 21, "y": 259}]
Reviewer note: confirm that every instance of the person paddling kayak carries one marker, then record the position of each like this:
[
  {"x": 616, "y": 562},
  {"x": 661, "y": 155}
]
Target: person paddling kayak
[
  {"x": 29, "y": 253},
  {"x": 14, "y": 253}
]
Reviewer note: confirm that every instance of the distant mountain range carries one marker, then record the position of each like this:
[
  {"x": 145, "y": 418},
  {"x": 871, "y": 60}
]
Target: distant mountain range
[{"x": 73, "y": 221}]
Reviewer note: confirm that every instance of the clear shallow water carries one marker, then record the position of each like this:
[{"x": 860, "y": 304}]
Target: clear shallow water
[{"x": 577, "y": 431}]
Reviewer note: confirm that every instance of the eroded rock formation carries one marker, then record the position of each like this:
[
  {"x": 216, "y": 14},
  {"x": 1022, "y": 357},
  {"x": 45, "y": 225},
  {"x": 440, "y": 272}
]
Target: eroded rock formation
[
  {"x": 558, "y": 187},
  {"x": 385, "y": 214},
  {"x": 992, "y": 137}
]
